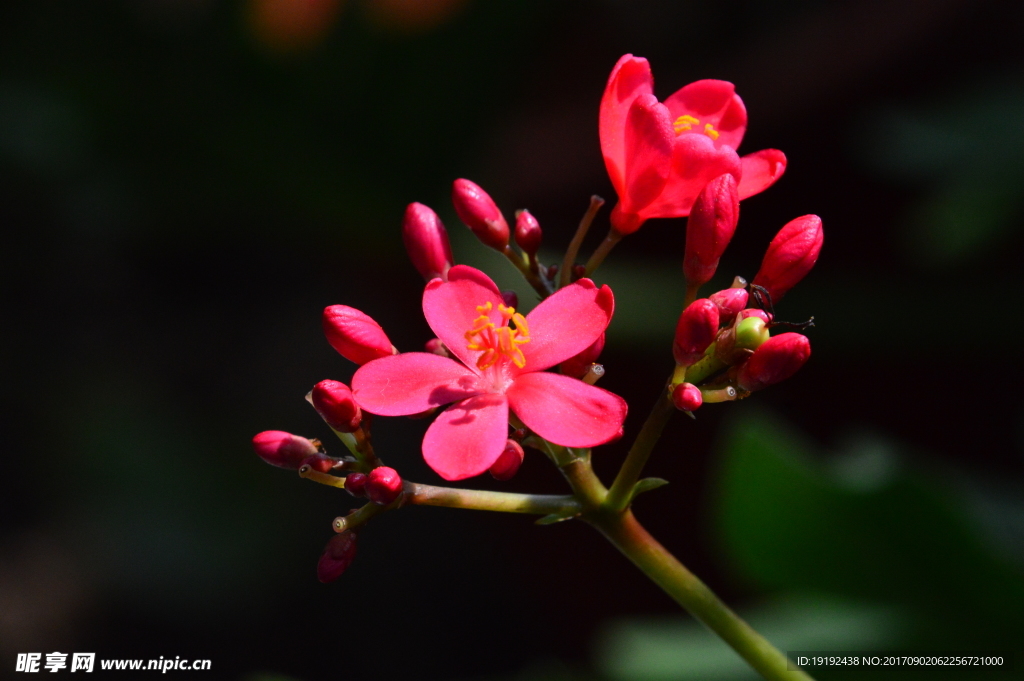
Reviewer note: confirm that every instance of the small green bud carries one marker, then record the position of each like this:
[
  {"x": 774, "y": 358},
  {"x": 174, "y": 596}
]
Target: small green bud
[{"x": 751, "y": 333}]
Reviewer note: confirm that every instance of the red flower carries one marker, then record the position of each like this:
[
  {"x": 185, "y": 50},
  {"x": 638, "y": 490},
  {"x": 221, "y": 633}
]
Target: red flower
[
  {"x": 661, "y": 155},
  {"x": 502, "y": 367}
]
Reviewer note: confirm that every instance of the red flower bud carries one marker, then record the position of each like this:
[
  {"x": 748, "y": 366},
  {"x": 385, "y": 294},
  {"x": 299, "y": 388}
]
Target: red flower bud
[
  {"x": 755, "y": 312},
  {"x": 355, "y": 484},
  {"x": 355, "y": 335},
  {"x": 687, "y": 397},
  {"x": 334, "y": 402},
  {"x": 426, "y": 242},
  {"x": 528, "y": 234},
  {"x": 383, "y": 485},
  {"x": 578, "y": 366},
  {"x": 337, "y": 556},
  {"x": 319, "y": 462},
  {"x": 282, "y": 449},
  {"x": 776, "y": 360},
  {"x": 476, "y": 208},
  {"x": 696, "y": 330},
  {"x": 509, "y": 461},
  {"x": 709, "y": 228},
  {"x": 790, "y": 256},
  {"x": 729, "y": 302},
  {"x": 436, "y": 346},
  {"x": 511, "y": 298}
]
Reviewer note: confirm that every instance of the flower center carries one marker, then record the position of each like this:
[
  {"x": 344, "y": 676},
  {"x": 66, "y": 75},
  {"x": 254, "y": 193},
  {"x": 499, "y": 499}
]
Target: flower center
[
  {"x": 498, "y": 341},
  {"x": 686, "y": 123}
]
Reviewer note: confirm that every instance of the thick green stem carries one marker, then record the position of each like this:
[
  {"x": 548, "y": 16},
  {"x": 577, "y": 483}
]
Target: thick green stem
[
  {"x": 482, "y": 500},
  {"x": 565, "y": 274},
  {"x": 539, "y": 284},
  {"x": 685, "y": 588},
  {"x": 602, "y": 251},
  {"x": 622, "y": 489}
]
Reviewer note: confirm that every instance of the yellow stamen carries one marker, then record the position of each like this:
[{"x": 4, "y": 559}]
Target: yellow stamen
[
  {"x": 497, "y": 341},
  {"x": 710, "y": 131},
  {"x": 686, "y": 122}
]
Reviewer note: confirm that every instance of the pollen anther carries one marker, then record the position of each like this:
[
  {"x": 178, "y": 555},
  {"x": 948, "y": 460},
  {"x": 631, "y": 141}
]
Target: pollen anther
[
  {"x": 497, "y": 341},
  {"x": 686, "y": 123}
]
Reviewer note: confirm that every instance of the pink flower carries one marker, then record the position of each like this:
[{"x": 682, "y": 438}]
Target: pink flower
[
  {"x": 661, "y": 155},
  {"x": 501, "y": 368}
]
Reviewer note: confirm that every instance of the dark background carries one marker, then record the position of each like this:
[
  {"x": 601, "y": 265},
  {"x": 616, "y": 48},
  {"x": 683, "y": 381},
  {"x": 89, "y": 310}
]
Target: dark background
[{"x": 185, "y": 184}]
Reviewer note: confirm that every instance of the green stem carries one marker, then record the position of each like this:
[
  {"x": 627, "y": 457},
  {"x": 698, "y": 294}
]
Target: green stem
[
  {"x": 602, "y": 251},
  {"x": 685, "y": 588},
  {"x": 622, "y": 489},
  {"x": 539, "y": 284},
  {"x": 565, "y": 275},
  {"x": 691, "y": 294},
  {"x": 482, "y": 500}
]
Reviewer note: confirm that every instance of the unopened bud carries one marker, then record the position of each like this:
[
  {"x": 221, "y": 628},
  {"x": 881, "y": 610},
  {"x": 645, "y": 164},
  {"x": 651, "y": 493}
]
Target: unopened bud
[
  {"x": 509, "y": 461},
  {"x": 695, "y": 331},
  {"x": 355, "y": 335},
  {"x": 751, "y": 333},
  {"x": 383, "y": 485},
  {"x": 579, "y": 365},
  {"x": 477, "y": 209},
  {"x": 776, "y": 360},
  {"x": 686, "y": 397},
  {"x": 334, "y": 402},
  {"x": 436, "y": 346},
  {"x": 355, "y": 484},
  {"x": 528, "y": 234},
  {"x": 729, "y": 301},
  {"x": 282, "y": 449},
  {"x": 510, "y": 298},
  {"x": 426, "y": 241},
  {"x": 755, "y": 312},
  {"x": 709, "y": 228},
  {"x": 337, "y": 556},
  {"x": 790, "y": 256}
]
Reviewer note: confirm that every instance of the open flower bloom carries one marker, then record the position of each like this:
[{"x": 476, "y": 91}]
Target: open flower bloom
[
  {"x": 502, "y": 367},
  {"x": 661, "y": 155}
]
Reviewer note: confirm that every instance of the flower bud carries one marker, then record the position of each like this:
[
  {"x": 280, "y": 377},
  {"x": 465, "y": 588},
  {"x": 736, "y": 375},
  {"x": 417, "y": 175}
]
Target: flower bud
[
  {"x": 510, "y": 298},
  {"x": 435, "y": 346},
  {"x": 696, "y": 330},
  {"x": 508, "y": 462},
  {"x": 334, "y": 402},
  {"x": 751, "y": 333},
  {"x": 528, "y": 234},
  {"x": 756, "y": 313},
  {"x": 729, "y": 302},
  {"x": 355, "y": 484},
  {"x": 282, "y": 449},
  {"x": 355, "y": 335},
  {"x": 790, "y": 256},
  {"x": 776, "y": 360},
  {"x": 383, "y": 485},
  {"x": 686, "y": 397},
  {"x": 476, "y": 208},
  {"x": 321, "y": 463},
  {"x": 426, "y": 241},
  {"x": 709, "y": 228},
  {"x": 337, "y": 556},
  {"x": 579, "y": 365}
]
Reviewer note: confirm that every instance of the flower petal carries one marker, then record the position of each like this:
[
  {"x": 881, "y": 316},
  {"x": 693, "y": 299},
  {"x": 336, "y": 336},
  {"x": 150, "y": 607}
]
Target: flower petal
[
  {"x": 649, "y": 141},
  {"x": 566, "y": 323},
  {"x": 630, "y": 78},
  {"x": 714, "y": 102},
  {"x": 760, "y": 170},
  {"x": 411, "y": 383},
  {"x": 468, "y": 437},
  {"x": 696, "y": 160},
  {"x": 566, "y": 411},
  {"x": 450, "y": 308}
]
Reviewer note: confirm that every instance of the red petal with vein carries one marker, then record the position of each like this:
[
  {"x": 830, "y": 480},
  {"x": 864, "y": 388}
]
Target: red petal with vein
[
  {"x": 649, "y": 141},
  {"x": 411, "y": 383},
  {"x": 566, "y": 411},
  {"x": 468, "y": 437},
  {"x": 760, "y": 170},
  {"x": 450, "y": 308},
  {"x": 714, "y": 102},
  {"x": 630, "y": 78},
  {"x": 567, "y": 323}
]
